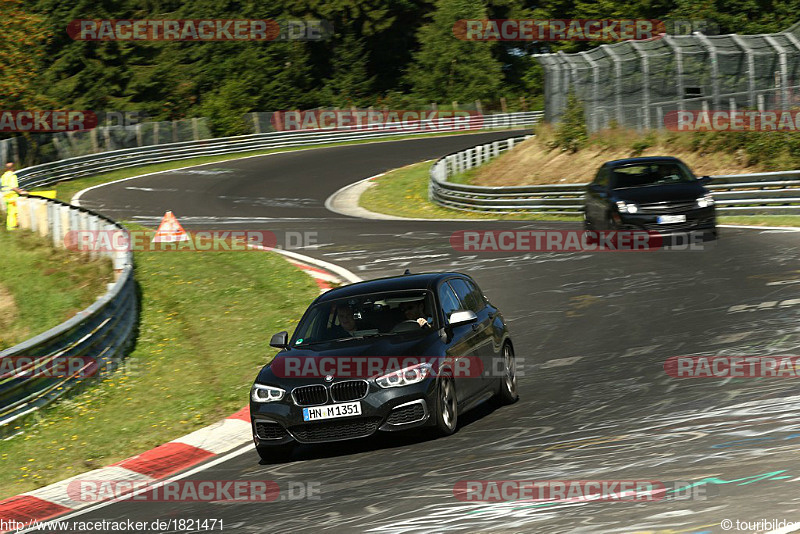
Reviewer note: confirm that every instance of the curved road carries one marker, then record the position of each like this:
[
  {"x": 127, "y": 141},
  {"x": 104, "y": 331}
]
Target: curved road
[{"x": 593, "y": 331}]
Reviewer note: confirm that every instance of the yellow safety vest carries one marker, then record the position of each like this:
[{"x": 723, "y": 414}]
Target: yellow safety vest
[{"x": 9, "y": 182}]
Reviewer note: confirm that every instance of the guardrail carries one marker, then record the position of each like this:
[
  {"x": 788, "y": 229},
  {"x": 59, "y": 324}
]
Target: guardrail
[
  {"x": 774, "y": 193},
  {"x": 68, "y": 169},
  {"x": 42, "y": 369},
  {"x": 104, "y": 332}
]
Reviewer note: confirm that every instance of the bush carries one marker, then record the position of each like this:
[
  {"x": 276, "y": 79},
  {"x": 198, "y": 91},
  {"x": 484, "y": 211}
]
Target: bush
[{"x": 571, "y": 132}]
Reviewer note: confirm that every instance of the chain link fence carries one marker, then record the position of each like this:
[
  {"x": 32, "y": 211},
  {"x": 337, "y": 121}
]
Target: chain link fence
[
  {"x": 637, "y": 83},
  {"x": 35, "y": 149}
]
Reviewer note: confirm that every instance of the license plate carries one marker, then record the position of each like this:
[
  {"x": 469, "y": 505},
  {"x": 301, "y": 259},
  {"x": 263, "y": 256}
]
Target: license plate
[
  {"x": 346, "y": 409},
  {"x": 668, "y": 219}
]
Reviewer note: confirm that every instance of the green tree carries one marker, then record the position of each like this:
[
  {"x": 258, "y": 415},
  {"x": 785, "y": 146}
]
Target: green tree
[
  {"x": 21, "y": 53},
  {"x": 447, "y": 68},
  {"x": 349, "y": 83}
]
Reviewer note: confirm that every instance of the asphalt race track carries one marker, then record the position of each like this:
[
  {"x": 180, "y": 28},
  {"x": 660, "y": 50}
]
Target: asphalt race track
[{"x": 592, "y": 331}]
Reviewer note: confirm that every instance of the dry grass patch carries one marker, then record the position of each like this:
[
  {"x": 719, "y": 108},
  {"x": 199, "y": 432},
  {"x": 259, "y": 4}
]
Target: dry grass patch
[{"x": 537, "y": 161}]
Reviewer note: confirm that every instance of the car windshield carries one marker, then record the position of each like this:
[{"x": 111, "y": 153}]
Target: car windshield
[
  {"x": 649, "y": 174},
  {"x": 370, "y": 315}
]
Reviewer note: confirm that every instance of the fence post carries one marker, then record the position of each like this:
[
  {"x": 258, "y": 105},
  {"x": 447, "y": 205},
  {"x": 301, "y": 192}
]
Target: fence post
[
  {"x": 65, "y": 223},
  {"x": 15, "y": 156},
  {"x": 479, "y": 107},
  {"x": 23, "y": 213},
  {"x": 593, "y": 122},
  {"x": 55, "y": 223},
  {"x": 155, "y": 133},
  {"x": 678, "y": 64},
  {"x": 175, "y": 138},
  {"x": 712, "y": 50},
  {"x": 645, "y": 81},
  {"x": 256, "y": 123},
  {"x": 195, "y": 129},
  {"x": 617, "y": 82},
  {"x": 503, "y": 105},
  {"x": 784, "y": 77},
  {"x": 751, "y": 69},
  {"x": 4, "y": 152},
  {"x": 42, "y": 223}
]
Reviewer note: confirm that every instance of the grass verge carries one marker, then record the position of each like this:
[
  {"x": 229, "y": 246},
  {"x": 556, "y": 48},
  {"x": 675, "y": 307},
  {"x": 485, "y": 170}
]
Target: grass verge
[
  {"x": 403, "y": 192},
  {"x": 66, "y": 190},
  {"x": 206, "y": 320},
  {"x": 760, "y": 220},
  {"x": 41, "y": 286}
]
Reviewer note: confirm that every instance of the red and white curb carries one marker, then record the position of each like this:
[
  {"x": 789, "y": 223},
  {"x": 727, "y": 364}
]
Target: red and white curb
[
  {"x": 166, "y": 460},
  {"x": 146, "y": 468}
]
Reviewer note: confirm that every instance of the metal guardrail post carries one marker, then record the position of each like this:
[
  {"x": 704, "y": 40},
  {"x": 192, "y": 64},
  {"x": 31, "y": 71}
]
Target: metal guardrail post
[{"x": 103, "y": 331}]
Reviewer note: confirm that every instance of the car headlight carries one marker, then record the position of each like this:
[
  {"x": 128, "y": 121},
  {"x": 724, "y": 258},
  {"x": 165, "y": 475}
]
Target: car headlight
[
  {"x": 627, "y": 207},
  {"x": 405, "y": 376},
  {"x": 705, "y": 201},
  {"x": 261, "y": 393}
]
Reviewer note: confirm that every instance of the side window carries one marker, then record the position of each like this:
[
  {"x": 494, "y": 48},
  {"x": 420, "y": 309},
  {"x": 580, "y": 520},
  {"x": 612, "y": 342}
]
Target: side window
[
  {"x": 467, "y": 294},
  {"x": 602, "y": 177},
  {"x": 448, "y": 300},
  {"x": 477, "y": 293}
]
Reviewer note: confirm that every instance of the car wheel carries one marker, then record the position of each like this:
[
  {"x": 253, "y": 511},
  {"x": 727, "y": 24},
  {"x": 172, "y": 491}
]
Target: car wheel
[
  {"x": 446, "y": 407},
  {"x": 508, "y": 387},
  {"x": 273, "y": 454}
]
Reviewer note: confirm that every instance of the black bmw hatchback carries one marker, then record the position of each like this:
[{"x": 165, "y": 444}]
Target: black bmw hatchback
[
  {"x": 653, "y": 193},
  {"x": 384, "y": 355}
]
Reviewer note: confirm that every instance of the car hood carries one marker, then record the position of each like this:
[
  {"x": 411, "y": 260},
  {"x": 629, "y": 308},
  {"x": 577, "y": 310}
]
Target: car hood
[
  {"x": 380, "y": 347},
  {"x": 660, "y": 193}
]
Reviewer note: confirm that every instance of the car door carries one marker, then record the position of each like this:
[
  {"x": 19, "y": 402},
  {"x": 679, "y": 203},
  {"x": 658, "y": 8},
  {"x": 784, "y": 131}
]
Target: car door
[
  {"x": 597, "y": 199},
  {"x": 460, "y": 346},
  {"x": 483, "y": 339}
]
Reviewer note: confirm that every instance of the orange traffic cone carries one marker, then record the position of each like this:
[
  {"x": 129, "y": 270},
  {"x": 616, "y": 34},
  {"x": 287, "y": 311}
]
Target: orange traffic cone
[{"x": 170, "y": 230}]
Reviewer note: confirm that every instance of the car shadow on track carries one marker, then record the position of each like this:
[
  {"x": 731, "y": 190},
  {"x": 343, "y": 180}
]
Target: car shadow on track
[{"x": 382, "y": 440}]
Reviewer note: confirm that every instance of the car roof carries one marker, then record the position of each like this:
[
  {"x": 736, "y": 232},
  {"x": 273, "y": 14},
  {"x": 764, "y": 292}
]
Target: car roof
[
  {"x": 392, "y": 283},
  {"x": 648, "y": 159}
]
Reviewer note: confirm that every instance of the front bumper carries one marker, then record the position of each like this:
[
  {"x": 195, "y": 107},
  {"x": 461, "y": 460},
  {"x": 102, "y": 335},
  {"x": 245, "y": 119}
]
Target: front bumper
[
  {"x": 696, "y": 219},
  {"x": 390, "y": 409}
]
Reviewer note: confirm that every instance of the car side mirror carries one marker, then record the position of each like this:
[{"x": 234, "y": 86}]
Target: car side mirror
[
  {"x": 280, "y": 340},
  {"x": 460, "y": 317},
  {"x": 705, "y": 180}
]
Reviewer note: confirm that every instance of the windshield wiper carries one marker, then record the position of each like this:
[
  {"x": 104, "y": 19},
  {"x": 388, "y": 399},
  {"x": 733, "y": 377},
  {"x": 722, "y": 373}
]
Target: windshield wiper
[{"x": 366, "y": 336}]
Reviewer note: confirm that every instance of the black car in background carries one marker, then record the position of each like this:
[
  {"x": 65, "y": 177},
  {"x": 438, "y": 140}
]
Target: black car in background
[
  {"x": 652, "y": 193},
  {"x": 434, "y": 327}
]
